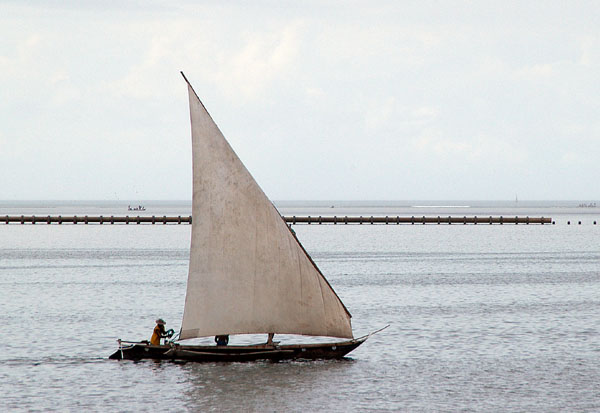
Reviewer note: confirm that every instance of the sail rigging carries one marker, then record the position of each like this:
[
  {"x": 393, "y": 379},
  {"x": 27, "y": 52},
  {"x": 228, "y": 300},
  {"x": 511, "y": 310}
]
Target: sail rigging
[{"x": 248, "y": 273}]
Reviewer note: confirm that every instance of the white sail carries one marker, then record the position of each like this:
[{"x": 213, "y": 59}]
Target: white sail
[{"x": 248, "y": 273}]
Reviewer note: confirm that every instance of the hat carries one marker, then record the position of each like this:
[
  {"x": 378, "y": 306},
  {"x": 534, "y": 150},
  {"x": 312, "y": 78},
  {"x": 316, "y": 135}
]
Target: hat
[{"x": 160, "y": 321}]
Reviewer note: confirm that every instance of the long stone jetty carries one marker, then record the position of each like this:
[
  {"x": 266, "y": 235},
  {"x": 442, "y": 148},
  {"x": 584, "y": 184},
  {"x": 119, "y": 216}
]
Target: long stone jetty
[{"x": 293, "y": 220}]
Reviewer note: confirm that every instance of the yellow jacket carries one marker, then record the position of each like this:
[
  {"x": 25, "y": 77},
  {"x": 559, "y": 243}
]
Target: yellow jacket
[{"x": 157, "y": 334}]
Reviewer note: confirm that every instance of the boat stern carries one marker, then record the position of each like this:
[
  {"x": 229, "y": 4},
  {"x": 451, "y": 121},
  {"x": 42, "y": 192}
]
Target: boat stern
[{"x": 139, "y": 351}]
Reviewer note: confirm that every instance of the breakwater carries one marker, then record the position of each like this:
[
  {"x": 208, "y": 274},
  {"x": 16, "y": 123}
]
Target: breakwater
[{"x": 293, "y": 220}]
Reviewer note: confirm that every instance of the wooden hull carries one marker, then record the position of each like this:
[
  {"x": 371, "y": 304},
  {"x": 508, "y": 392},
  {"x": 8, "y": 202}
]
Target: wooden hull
[{"x": 140, "y": 351}]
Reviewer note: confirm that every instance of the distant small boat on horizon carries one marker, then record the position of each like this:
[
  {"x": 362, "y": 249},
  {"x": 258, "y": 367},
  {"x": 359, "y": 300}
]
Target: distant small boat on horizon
[{"x": 137, "y": 208}]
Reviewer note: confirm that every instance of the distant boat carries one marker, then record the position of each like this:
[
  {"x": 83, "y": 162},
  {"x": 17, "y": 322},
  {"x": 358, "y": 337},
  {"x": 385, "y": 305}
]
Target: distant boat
[
  {"x": 137, "y": 208},
  {"x": 248, "y": 273}
]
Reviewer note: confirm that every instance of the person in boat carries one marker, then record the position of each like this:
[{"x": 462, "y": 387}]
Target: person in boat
[
  {"x": 222, "y": 340},
  {"x": 159, "y": 332},
  {"x": 270, "y": 341}
]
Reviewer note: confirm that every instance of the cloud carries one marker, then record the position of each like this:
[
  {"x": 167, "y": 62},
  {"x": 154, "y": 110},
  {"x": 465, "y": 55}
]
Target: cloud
[
  {"x": 537, "y": 71},
  {"x": 589, "y": 46},
  {"x": 314, "y": 92},
  {"x": 244, "y": 69},
  {"x": 571, "y": 158},
  {"x": 25, "y": 51},
  {"x": 264, "y": 58},
  {"x": 480, "y": 149},
  {"x": 377, "y": 114}
]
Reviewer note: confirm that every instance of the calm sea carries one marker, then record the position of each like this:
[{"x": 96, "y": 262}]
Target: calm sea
[{"x": 483, "y": 318}]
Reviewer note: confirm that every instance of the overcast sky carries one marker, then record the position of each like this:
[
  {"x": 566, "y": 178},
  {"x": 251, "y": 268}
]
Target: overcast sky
[{"x": 387, "y": 100}]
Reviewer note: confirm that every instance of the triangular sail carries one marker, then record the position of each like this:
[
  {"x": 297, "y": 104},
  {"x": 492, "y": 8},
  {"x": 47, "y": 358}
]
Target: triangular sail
[{"x": 248, "y": 273}]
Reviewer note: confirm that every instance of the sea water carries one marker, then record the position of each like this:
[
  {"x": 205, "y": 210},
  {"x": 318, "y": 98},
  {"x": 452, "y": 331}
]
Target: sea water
[{"x": 482, "y": 317}]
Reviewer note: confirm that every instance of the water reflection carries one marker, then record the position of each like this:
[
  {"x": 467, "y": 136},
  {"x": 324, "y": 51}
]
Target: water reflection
[{"x": 261, "y": 386}]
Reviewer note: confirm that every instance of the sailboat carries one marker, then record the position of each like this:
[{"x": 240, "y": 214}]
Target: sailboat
[{"x": 248, "y": 273}]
